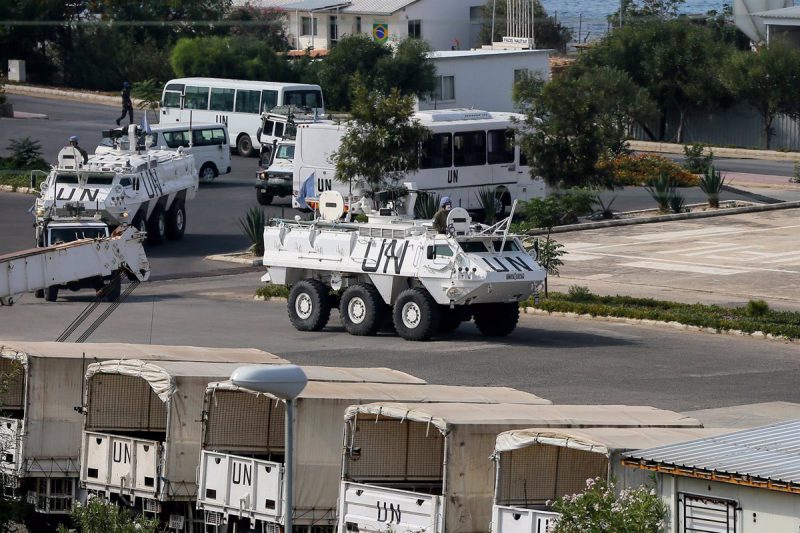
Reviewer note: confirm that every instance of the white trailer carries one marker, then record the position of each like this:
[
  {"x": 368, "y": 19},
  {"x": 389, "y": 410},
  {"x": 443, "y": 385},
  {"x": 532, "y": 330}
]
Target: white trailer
[
  {"x": 425, "y": 467},
  {"x": 40, "y": 432},
  {"x": 241, "y": 475},
  {"x": 535, "y": 467},
  {"x": 468, "y": 149}
]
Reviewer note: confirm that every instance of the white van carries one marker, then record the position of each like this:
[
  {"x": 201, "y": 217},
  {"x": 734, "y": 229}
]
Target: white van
[{"x": 209, "y": 145}]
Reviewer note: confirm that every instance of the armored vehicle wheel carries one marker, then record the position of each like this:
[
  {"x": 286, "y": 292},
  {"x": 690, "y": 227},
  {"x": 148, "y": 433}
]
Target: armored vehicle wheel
[
  {"x": 309, "y": 305},
  {"x": 452, "y": 318},
  {"x": 39, "y": 293},
  {"x": 496, "y": 320},
  {"x": 176, "y": 221},
  {"x": 264, "y": 198},
  {"x": 244, "y": 145},
  {"x": 416, "y": 315},
  {"x": 157, "y": 226},
  {"x": 361, "y": 309},
  {"x": 51, "y": 294}
]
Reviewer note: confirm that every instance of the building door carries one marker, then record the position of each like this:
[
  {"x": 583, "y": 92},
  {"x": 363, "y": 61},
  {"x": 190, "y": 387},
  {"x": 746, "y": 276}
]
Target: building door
[{"x": 701, "y": 514}]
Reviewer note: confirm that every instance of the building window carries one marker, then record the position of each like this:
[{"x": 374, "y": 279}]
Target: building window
[
  {"x": 415, "y": 29},
  {"x": 444, "y": 88},
  {"x": 358, "y": 25},
  {"x": 521, "y": 74},
  {"x": 704, "y": 513},
  {"x": 307, "y": 26},
  {"x": 334, "y": 28},
  {"x": 476, "y": 14}
]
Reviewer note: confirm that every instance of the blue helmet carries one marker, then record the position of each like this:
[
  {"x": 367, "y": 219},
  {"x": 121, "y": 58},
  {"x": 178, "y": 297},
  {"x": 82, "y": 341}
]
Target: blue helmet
[
  {"x": 73, "y": 138},
  {"x": 126, "y": 84},
  {"x": 444, "y": 201}
]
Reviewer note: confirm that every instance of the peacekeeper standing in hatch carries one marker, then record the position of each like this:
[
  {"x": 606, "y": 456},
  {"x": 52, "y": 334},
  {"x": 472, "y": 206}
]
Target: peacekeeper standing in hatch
[{"x": 440, "y": 218}]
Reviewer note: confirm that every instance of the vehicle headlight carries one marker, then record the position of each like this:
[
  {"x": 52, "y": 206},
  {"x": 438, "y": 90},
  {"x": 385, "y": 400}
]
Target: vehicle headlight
[
  {"x": 532, "y": 253},
  {"x": 455, "y": 292},
  {"x": 40, "y": 211}
]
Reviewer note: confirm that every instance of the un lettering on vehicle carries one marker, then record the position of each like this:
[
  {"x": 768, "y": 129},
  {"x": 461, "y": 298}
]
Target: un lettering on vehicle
[
  {"x": 324, "y": 184},
  {"x": 505, "y": 264},
  {"x": 87, "y": 195},
  {"x": 393, "y": 254}
]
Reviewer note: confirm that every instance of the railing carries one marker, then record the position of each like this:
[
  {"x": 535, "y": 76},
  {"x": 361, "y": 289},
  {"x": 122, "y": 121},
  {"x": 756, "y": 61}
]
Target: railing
[
  {"x": 123, "y": 465},
  {"x": 241, "y": 486},
  {"x": 369, "y": 508},
  {"x": 520, "y": 520}
]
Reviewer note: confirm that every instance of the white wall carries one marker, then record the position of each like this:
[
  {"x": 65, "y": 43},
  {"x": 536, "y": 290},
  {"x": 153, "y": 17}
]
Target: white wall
[
  {"x": 763, "y": 511},
  {"x": 485, "y": 80}
]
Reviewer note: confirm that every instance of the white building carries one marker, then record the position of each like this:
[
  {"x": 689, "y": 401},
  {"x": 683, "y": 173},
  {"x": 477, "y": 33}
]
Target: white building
[
  {"x": 743, "y": 482},
  {"x": 319, "y": 24},
  {"x": 482, "y": 79}
]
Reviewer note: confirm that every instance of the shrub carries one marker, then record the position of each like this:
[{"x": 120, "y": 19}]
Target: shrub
[
  {"x": 562, "y": 208},
  {"x": 26, "y": 155},
  {"x": 695, "y": 160},
  {"x": 712, "y": 184},
  {"x": 548, "y": 254},
  {"x": 102, "y": 516},
  {"x": 427, "y": 205},
  {"x": 757, "y": 308},
  {"x": 599, "y": 508},
  {"x": 677, "y": 203},
  {"x": 795, "y": 172},
  {"x": 490, "y": 204},
  {"x": 603, "y": 209},
  {"x": 579, "y": 293},
  {"x": 253, "y": 226},
  {"x": 641, "y": 169},
  {"x": 662, "y": 190},
  {"x": 273, "y": 291}
]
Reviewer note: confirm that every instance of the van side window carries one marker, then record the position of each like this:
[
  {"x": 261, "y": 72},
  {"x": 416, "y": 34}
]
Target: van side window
[
  {"x": 279, "y": 129},
  {"x": 469, "y": 148},
  {"x": 269, "y": 99},
  {"x": 196, "y": 98},
  {"x": 222, "y": 99},
  {"x": 437, "y": 151},
  {"x": 174, "y": 139},
  {"x": 500, "y": 146},
  {"x": 218, "y": 136}
]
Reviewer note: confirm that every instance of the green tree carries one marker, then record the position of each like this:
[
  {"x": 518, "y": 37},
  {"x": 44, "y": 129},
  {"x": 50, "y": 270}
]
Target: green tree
[
  {"x": 228, "y": 57},
  {"x": 636, "y": 11},
  {"x": 574, "y": 121},
  {"x": 268, "y": 25},
  {"x": 677, "y": 62},
  {"x": 548, "y": 31},
  {"x": 102, "y": 516},
  {"x": 380, "y": 145},
  {"x": 767, "y": 80}
]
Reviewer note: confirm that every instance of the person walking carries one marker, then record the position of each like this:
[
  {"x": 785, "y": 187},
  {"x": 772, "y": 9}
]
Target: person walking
[
  {"x": 73, "y": 142},
  {"x": 440, "y": 218},
  {"x": 127, "y": 103}
]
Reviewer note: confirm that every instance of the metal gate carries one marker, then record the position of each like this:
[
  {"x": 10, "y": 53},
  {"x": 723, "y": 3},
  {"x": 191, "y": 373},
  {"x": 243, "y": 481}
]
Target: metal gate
[{"x": 701, "y": 514}]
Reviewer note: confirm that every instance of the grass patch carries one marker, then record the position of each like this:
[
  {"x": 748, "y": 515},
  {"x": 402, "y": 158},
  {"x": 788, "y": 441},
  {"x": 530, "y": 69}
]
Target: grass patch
[
  {"x": 755, "y": 316},
  {"x": 273, "y": 291}
]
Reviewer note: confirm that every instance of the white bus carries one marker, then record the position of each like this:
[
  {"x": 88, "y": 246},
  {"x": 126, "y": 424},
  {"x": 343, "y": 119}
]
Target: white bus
[
  {"x": 467, "y": 150},
  {"x": 236, "y": 103}
]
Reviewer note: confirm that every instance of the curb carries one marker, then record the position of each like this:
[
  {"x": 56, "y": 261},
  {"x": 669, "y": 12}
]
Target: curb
[
  {"x": 668, "y": 218},
  {"x": 661, "y": 323},
  {"x": 738, "y": 153},
  {"x": 270, "y": 299},
  {"x": 21, "y": 190},
  {"x": 61, "y": 94},
  {"x": 241, "y": 258}
]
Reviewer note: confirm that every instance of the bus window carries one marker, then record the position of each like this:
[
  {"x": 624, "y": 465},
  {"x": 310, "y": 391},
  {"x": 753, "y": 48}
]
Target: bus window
[
  {"x": 174, "y": 139},
  {"x": 247, "y": 101},
  {"x": 437, "y": 151},
  {"x": 196, "y": 98},
  {"x": 305, "y": 98},
  {"x": 269, "y": 99},
  {"x": 171, "y": 99},
  {"x": 222, "y": 99},
  {"x": 469, "y": 148},
  {"x": 500, "y": 146}
]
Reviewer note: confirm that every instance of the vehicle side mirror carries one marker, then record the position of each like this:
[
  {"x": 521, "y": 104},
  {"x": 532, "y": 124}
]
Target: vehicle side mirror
[{"x": 431, "y": 253}]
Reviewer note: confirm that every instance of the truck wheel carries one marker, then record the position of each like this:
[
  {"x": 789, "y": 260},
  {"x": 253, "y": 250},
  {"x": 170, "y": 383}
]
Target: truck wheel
[
  {"x": 112, "y": 290},
  {"x": 208, "y": 172},
  {"x": 51, "y": 294},
  {"x": 264, "y": 197},
  {"x": 361, "y": 309},
  {"x": 416, "y": 315},
  {"x": 452, "y": 318},
  {"x": 309, "y": 305},
  {"x": 176, "y": 221},
  {"x": 244, "y": 145},
  {"x": 157, "y": 226},
  {"x": 496, "y": 320}
]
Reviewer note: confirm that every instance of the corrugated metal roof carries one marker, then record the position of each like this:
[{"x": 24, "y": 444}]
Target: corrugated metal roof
[
  {"x": 783, "y": 13},
  {"x": 314, "y": 5},
  {"x": 769, "y": 453},
  {"x": 377, "y": 7}
]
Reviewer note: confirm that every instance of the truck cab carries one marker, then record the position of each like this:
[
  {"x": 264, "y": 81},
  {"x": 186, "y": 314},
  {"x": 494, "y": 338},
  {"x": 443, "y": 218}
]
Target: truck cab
[{"x": 274, "y": 177}]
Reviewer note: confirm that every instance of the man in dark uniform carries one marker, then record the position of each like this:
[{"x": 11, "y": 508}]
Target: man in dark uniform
[
  {"x": 440, "y": 218},
  {"x": 73, "y": 141},
  {"x": 127, "y": 104}
]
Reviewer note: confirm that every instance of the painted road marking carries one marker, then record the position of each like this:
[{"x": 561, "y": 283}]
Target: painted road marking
[
  {"x": 747, "y": 269},
  {"x": 684, "y": 267}
]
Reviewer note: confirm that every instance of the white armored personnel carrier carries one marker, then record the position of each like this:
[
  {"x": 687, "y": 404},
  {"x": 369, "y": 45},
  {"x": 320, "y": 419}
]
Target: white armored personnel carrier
[
  {"x": 393, "y": 266},
  {"x": 125, "y": 184}
]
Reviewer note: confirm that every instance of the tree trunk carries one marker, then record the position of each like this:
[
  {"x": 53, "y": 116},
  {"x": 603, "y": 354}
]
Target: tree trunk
[
  {"x": 647, "y": 130},
  {"x": 662, "y": 126},
  {"x": 681, "y": 122},
  {"x": 768, "y": 130}
]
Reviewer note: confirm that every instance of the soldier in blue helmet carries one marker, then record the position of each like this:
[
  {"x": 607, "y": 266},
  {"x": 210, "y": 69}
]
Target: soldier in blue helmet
[
  {"x": 127, "y": 103},
  {"x": 73, "y": 142},
  {"x": 440, "y": 218}
]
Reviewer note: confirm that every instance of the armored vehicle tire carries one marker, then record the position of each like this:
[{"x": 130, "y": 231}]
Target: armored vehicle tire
[
  {"x": 157, "y": 226},
  {"x": 39, "y": 293},
  {"x": 416, "y": 315},
  {"x": 264, "y": 197},
  {"x": 452, "y": 318},
  {"x": 208, "y": 172},
  {"x": 244, "y": 145},
  {"x": 51, "y": 294},
  {"x": 362, "y": 309},
  {"x": 309, "y": 305},
  {"x": 176, "y": 221},
  {"x": 496, "y": 320}
]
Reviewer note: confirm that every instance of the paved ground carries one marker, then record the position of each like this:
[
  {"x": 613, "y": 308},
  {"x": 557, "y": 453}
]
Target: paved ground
[
  {"x": 566, "y": 360},
  {"x": 729, "y": 259}
]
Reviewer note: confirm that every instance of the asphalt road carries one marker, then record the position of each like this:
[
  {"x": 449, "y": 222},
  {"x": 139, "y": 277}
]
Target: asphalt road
[{"x": 565, "y": 360}]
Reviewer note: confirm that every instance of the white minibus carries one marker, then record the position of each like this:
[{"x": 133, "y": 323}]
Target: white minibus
[{"x": 236, "y": 103}]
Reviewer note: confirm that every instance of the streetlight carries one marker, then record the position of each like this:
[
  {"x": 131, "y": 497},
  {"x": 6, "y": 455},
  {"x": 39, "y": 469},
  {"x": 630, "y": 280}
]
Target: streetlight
[{"x": 286, "y": 382}]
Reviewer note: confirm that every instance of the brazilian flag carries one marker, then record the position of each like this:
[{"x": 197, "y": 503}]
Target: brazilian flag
[{"x": 380, "y": 32}]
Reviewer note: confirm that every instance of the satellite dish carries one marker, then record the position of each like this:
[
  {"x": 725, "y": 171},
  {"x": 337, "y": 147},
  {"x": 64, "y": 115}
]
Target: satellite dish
[
  {"x": 331, "y": 206},
  {"x": 459, "y": 220}
]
